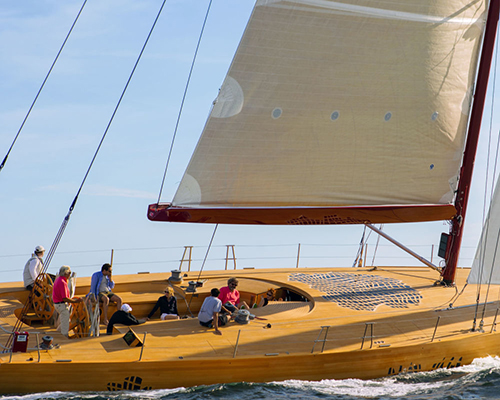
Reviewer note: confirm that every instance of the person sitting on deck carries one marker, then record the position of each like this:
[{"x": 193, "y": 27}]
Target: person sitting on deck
[
  {"x": 124, "y": 317},
  {"x": 100, "y": 286},
  {"x": 167, "y": 305},
  {"x": 267, "y": 298},
  {"x": 209, "y": 312},
  {"x": 230, "y": 297}
]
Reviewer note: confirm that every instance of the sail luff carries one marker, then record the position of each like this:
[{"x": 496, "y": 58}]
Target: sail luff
[{"x": 462, "y": 197}]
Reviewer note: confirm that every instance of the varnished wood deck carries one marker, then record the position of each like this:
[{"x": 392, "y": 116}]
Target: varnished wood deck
[{"x": 182, "y": 353}]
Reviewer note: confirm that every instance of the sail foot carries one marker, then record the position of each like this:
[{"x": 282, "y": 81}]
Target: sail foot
[{"x": 301, "y": 215}]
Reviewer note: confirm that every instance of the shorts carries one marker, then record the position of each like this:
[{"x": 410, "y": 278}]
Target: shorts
[
  {"x": 231, "y": 307},
  {"x": 209, "y": 324},
  {"x": 165, "y": 315},
  {"x": 109, "y": 294}
]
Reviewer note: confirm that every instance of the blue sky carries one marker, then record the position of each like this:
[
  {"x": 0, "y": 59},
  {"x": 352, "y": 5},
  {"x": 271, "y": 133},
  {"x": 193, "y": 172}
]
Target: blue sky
[{"x": 54, "y": 150}]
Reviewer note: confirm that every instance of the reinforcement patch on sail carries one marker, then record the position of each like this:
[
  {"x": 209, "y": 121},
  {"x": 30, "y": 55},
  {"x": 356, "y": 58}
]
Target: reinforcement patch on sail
[{"x": 360, "y": 292}]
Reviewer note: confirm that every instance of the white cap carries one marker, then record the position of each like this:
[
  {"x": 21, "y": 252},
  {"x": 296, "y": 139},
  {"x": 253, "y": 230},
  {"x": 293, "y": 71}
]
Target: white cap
[
  {"x": 126, "y": 308},
  {"x": 39, "y": 249}
]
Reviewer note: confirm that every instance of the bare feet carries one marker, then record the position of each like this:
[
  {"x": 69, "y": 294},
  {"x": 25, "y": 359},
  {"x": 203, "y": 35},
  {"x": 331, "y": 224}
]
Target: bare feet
[{"x": 218, "y": 332}]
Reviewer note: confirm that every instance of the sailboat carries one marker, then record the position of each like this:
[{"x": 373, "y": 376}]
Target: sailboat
[{"x": 332, "y": 112}]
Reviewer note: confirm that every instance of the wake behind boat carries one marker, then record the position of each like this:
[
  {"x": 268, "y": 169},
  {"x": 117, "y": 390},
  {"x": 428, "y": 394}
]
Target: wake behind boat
[{"x": 331, "y": 113}]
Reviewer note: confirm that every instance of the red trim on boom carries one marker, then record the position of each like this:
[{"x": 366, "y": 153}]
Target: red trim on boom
[{"x": 302, "y": 215}]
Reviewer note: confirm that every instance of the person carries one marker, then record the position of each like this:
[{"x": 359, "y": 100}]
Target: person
[
  {"x": 61, "y": 298},
  {"x": 123, "y": 316},
  {"x": 100, "y": 286},
  {"x": 210, "y": 310},
  {"x": 230, "y": 297},
  {"x": 33, "y": 267},
  {"x": 167, "y": 305},
  {"x": 269, "y": 297}
]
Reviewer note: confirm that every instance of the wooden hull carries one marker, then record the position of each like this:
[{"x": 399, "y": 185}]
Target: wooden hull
[
  {"x": 423, "y": 337},
  {"x": 23, "y": 377}
]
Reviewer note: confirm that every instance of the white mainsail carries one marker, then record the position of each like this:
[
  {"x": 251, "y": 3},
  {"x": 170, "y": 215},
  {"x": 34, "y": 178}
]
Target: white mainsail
[
  {"x": 341, "y": 103},
  {"x": 487, "y": 259}
]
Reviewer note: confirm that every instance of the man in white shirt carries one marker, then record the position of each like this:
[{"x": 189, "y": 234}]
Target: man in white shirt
[{"x": 33, "y": 267}]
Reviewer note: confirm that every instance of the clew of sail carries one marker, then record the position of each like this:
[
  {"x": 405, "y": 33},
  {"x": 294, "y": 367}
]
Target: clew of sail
[{"x": 338, "y": 112}]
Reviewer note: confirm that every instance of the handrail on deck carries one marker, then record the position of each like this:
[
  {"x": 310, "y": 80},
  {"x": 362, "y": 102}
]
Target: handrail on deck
[
  {"x": 143, "y": 344},
  {"x": 321, "y": 340},
  {"x": 435, "y": 328},
  {"x": 371, "y": 334}
]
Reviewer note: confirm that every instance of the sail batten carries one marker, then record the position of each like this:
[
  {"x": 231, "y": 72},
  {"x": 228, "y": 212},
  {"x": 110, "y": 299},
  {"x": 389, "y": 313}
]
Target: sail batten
[{"x": 341, "y": 104}]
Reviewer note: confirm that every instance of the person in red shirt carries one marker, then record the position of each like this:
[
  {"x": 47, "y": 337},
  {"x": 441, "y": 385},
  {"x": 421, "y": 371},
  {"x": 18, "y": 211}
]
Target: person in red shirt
[
  {"x": 61, "y": 298},
  {"x": 230, "y": 297}
]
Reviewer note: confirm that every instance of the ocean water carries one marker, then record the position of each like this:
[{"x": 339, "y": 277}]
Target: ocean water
[{"x": 480, "y": 380}]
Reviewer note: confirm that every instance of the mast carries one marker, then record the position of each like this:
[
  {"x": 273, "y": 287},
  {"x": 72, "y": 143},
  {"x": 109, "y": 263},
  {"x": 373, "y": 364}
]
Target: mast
[{"x": 462, "y": 196}]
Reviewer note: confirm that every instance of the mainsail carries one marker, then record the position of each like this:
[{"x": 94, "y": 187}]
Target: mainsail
[{"x": 338, "y": 112}]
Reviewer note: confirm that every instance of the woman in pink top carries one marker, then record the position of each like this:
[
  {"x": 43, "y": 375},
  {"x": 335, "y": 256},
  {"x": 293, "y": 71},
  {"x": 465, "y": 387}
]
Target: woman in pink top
[
  {"x": 230, "y": 297},
  {"x": 61, "y": 298}
]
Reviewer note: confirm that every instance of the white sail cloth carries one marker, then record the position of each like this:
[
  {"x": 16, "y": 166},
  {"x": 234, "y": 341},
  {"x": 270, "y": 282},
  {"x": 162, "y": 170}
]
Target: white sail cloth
[
  {"x": 485, "y": 267},
  {"x": 341, "y": 103}
]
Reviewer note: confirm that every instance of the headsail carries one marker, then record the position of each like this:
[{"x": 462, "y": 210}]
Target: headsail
[
  {"x": 359, "y": 110},
  {"x": 486, "y": 264}
]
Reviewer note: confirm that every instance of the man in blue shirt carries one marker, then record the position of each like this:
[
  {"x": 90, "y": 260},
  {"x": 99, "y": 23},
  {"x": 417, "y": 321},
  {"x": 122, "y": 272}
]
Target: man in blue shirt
[{"x": 100, "y": 286}]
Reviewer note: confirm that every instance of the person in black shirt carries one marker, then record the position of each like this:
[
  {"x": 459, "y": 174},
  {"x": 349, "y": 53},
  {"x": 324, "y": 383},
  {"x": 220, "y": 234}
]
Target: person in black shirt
[
  {"x": 167, "y": 305},
  {"x": 267, "y": 298},
  {"x": 123, "y": 317}
]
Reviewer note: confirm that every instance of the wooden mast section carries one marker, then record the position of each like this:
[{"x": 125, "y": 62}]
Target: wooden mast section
[{"x": 462, "y": 195}]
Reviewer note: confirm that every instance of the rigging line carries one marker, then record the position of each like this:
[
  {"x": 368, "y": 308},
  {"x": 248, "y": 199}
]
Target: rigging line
[
  {"x": 119, "y": 102},
  {"x": 71, "y": 208},
  {"x": 485, "y": 219},
  {"x": 39, "y": 279},
  {"x": 482, "y": 249},
  {"x": 41, "y": 87},
  {"x": 489, "y": 282},
  {"x": 205, "y": 259},
  {"x": 360, "y": 247},
  {"x": 487, "y": 229},
  {"x": 376, "y": 246},
  {"x": 73, "y": 204},
  {"x": 183, "y": 100},
  {"x": 457, "y": 295}
]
